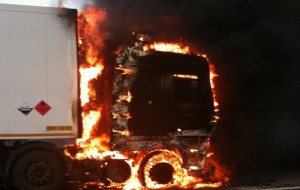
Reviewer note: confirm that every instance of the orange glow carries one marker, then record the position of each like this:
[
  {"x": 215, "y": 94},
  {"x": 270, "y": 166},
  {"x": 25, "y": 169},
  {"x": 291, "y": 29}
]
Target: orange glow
[
  {"x": 186, "y": 76},
  {"x": 123, "y": 133},
  {"x": 167, "y": 47},
  {"x": 209, "y": 185},
  {"x": 87, "y": 74},
  {"x": 209, "y": 154},
  {"x": 213, "y": 76},
  {"x": 127, "y": 97},
  {"x": 89, "y": 121}
]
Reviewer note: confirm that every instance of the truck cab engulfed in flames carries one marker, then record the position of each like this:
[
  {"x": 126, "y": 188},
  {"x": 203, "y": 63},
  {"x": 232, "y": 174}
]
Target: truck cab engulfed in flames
[
  {"x": 162, "y": 100},
  {"x": 54, "y": 125}
]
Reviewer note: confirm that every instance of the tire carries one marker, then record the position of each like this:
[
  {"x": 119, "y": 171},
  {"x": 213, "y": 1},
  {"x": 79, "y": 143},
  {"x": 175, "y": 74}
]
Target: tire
[
  {"x": 141, "y": 172},
  {"x": 161, "y": 172},
  {"x": 38, "y": 170}
]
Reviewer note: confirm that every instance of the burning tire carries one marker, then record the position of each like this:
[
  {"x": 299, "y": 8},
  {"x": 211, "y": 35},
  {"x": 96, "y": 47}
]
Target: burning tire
[
  {"x": 160, "y": 167},
  {"x": 38, "y": 170}
]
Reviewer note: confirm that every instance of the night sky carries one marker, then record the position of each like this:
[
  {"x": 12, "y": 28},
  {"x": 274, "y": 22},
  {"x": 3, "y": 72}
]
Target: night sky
[{"x": 254, "y": 46}]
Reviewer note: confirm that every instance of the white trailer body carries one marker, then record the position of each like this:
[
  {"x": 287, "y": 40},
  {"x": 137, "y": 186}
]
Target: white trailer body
[
  {"x": 38, "y": 73},
  {"x": 40, "y": 110}
]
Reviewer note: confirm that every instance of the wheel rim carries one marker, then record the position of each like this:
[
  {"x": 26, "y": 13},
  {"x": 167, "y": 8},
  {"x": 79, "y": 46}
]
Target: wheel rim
[{"x": 39, "y": 173}]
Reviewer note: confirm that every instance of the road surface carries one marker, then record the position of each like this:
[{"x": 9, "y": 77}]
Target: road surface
[{"x": 265, "y": 180}]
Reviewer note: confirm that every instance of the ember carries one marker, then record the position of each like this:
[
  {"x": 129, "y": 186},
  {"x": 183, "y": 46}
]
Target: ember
[{"x": 140, "y": 160}]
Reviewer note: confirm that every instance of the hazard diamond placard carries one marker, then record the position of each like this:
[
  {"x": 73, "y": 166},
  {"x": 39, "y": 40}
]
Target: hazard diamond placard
[
  {"x": 25, "y": 108},
  {"x": 42, "y": 107}
]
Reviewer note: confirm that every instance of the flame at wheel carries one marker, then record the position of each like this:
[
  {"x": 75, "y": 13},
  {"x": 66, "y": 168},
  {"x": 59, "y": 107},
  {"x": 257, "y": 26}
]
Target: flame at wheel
[{"x": 161, "y": 168}]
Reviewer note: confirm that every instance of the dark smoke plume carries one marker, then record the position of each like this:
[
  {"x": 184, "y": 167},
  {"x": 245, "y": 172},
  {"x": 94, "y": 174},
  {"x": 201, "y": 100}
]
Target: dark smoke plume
[{"x": 255, "y": 47}]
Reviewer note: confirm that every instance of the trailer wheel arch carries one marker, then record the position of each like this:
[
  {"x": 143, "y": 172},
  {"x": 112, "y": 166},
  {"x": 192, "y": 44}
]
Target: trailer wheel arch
[
  {"x": 38, "y": 169},
  {"x": 34, "y": 145}
]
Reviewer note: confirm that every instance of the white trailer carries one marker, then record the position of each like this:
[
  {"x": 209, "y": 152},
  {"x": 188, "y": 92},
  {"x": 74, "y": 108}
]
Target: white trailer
[{"x": 39, "y": 93}]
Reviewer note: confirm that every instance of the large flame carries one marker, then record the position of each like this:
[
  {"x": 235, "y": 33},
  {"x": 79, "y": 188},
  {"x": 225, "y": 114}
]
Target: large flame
[
  {"x": 90, "y": 41},
  {"x": 94, "y": 146}
]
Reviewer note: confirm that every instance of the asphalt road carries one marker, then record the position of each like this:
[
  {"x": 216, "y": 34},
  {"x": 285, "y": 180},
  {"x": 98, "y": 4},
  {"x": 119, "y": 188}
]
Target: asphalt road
[{"x": 264, "y": 180}]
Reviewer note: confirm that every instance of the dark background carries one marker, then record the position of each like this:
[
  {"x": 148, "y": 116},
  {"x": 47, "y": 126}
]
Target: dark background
[{"x": 254, "y": 46}]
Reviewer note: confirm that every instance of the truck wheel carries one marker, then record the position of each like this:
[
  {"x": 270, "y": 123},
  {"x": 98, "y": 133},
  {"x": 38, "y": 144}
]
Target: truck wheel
[
  {"x": 160, "y": 167},
  {"x": 38, "y": 170}
]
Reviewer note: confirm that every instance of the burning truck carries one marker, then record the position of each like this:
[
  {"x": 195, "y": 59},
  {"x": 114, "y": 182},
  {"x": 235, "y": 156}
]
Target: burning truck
[
  {"x": 163, "y": 111},
  {"x": 162, "y": 104}
]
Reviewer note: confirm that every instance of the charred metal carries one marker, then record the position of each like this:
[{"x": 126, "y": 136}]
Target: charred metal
[{"x": 153, "y": 108}]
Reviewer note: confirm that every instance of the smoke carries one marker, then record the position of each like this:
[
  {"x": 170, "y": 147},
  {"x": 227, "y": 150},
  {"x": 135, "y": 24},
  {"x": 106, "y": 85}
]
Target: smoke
[{"x": 254, "y": 46}]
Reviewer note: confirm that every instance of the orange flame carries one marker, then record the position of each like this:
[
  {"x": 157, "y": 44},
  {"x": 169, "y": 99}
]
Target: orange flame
[
  {"x": 90, "y": 41},
  {"x": 186, "y": 76},
  {"x": 167, "y": 47},
  {"x": 87, "y": 74},
  {"x": 213, "y": 75}
]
